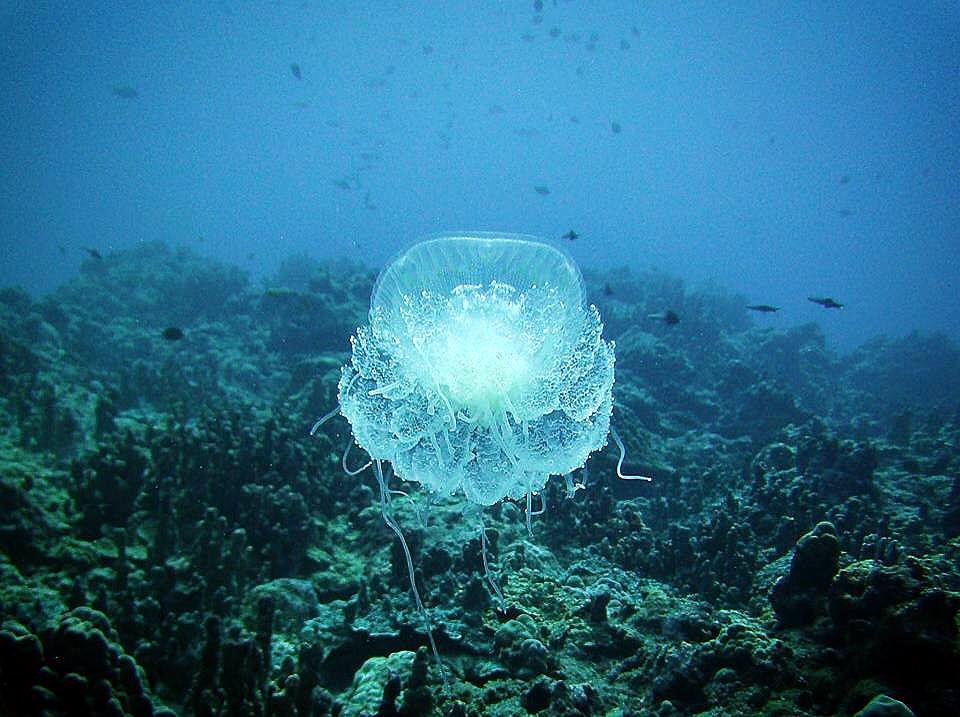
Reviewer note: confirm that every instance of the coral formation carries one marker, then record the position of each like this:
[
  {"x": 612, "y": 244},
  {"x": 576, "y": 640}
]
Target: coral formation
[{"x": 173, "y": 542}]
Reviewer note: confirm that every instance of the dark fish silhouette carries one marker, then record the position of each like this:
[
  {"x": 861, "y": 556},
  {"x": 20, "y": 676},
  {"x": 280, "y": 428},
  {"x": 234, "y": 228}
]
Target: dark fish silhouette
[
  {"x": 607, "y": 289},
  {"x": 668, "y": 317},
  {"x": 615, "y": 127},
  {"x": 542, "y": 190},
  {"x": 94, "y": 254},
  {"x": 825, "y": 301},
  {"x": 571, "y": 236},
  {"x": 763, "y": 308},
  {"x": 295, "y": 69},
  {"x": 172, "y": 333},
  {"x": 125, "y": 92}
]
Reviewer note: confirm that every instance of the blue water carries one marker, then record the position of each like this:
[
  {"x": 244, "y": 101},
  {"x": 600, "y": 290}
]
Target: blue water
[{"x": 779, "y": 152}]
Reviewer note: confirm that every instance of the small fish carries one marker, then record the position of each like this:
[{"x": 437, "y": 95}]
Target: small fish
[
  {"x": 94, "y": 254},
  {"x": 669, "y": 317},
  {"x": 571, "y": 236},
  {"x": 542, "y": 190},
  {"x": 845, "y": 179},
  {"x": 554, "y": 32},
  {"x": 297, "y": 72},
  {"x": 624, "y": 44},
  {"x": 825, "y": 301},
  {"x": 427, "y": 49},
  {"x": 763, "y": 308},
  {"x": 172, "y": 333},
  {"x": 279, "y": 292},
  {"x": 495, "y": 110},
  {"x": 607, "y": 289},
  {"x": 341, "y": 184},
  {"x": 615, "y": 127},
  {"x": 125, "y": 92}
]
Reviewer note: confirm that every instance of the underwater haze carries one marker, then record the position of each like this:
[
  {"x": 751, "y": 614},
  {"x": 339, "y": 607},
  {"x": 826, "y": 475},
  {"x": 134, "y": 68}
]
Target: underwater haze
[
  {"x": 479, "y": 359},
  {"x": 778, "y": 152}
]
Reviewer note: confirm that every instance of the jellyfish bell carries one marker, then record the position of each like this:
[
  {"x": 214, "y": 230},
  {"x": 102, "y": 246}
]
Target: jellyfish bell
[{"x": 481, "y": 372}]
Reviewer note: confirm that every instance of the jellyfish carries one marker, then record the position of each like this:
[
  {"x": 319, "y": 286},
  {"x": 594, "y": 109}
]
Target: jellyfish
[{"x": 482, "y": 372}]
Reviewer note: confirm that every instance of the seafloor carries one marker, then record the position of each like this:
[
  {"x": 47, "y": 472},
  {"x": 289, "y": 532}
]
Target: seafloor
[{"x": 173, "y": 541}]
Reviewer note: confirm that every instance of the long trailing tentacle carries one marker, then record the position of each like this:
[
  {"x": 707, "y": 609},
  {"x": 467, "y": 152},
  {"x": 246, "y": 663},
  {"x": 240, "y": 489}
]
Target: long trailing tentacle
[
  {"x": 323, "y": 419},
  {"x": 343, "y": 461},
  {"x": 486, "y": 566},
  {"x": 623, "y": 453},
  {"x": 392, "y": 523}
]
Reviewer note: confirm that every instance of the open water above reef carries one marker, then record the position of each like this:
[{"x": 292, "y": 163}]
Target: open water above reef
[{"x": 173, "y": 540}]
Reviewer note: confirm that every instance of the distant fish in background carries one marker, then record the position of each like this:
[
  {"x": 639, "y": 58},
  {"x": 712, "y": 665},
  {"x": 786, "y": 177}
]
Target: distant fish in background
[
  {"x": 297, "y": 72},
  {"x": 607, "y": 289},
  {"x": 825, "y": 301},
  {"x": 763, "y": 308},
  {"x": 94, "y": 254},
  {"x": 125, "y": 92},
  {"x": 542, "y": 190},
  {"x": 571, "y": 236},
  {"x": 172, "y": 333},
  {"x": 669, "y": 317},
  {"x": 615, "y": 127}
]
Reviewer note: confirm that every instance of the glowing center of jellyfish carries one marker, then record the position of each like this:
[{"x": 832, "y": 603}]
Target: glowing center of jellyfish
[{"x": 477, "y": 357}]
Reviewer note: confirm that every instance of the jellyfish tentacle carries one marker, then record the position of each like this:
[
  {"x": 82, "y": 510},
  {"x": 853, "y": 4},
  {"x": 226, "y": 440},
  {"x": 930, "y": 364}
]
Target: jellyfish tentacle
[
  {"x": 486, "y": 567},
  {"x": 623, "y": 453},
  {"x": 392, "y": 523}
]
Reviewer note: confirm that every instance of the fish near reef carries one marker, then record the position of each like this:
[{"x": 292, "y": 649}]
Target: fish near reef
[
  {"x": 763, "y": 308},
  {"x": 571, "y": 236},
  {"x": 825, "y": 301},
  {"x": 669, "y": 317},
  {"x": 297, "y": 72},
  {"x": 172, "y": 333}
]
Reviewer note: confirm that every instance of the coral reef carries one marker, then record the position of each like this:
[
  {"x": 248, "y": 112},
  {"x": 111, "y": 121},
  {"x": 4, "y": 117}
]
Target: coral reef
[{"x": 172, "y": 541}]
